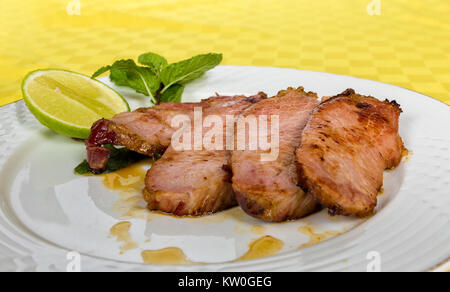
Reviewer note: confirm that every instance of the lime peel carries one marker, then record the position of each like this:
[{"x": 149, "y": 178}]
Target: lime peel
[{"x": 68, "y": 102}]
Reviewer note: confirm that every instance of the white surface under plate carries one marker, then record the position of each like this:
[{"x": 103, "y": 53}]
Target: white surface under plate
[{"x": 47, "y": 211}]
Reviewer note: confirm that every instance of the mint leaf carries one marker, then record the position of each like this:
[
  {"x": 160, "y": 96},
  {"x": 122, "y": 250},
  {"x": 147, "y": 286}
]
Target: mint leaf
[
  {"x": 188, "y": 70},
  {"x": 100, "y": 71},
  {"x": 172, "y": 94},
  {"x": 154, "y": 61},
  {"x": 141, "y": 79},
  {"x": 120, "y": 158},
  {"x": 127, "y": 73},
  {"x": 83, "y": 168}
]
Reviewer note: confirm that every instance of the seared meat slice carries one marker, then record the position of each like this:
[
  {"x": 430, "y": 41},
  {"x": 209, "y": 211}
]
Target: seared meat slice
[
  {"x": 190, "y": 183},
  {"x": 147, "y": 130},
  {"x": 197, "y": 182},
  {"x": 348, "y": 143},
  {"x": 268, "y": 189}
]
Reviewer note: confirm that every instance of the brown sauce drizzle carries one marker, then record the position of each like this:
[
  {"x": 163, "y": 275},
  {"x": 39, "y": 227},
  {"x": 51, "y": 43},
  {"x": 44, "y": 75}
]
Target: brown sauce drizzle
[
  {"x": 127, "y": 180},
  {"x": 314, "y": 236},
  {"x": 166, "y": 256},
  {"x": 265, "y": 246},
  {"x": 260, "y": 248},
  {"x": 122, "y": 232}
]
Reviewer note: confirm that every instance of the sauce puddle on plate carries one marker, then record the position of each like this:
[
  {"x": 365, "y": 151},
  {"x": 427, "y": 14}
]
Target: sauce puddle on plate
[
  {"x": 258, "y": 229},
  {"x": 265, "y": 246},
  {"x": 122, "y": 233},
  {"x": 166, "y": 256},
  {"x": 314, "y": 236},
  {"x": 127, "y": 180},
  {"x": 129, "y": 183}
]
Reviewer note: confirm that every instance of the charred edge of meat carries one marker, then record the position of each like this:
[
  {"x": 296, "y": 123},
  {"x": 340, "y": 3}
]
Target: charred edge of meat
[
  {"x": 358, "y": 98},
  {"x": 345, "y": 93},
  {"x": 256, "y": 210},
  {"x": 180, "y": 210},
  {"x": 249, "y": 206},
  {"x": 302, "y": 179},
  {"x": 335, "y": 211},
  {"x": 256, "y": 98},
  {"x": 300, "y": 90},
  {"x": 227, "y": 168},
  {"x": 363, "y": 105},
  {"x": 394, "y": 103}
]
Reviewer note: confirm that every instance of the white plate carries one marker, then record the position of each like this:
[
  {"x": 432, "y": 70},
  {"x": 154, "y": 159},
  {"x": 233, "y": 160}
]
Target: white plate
[{"x": 47, "y": 211}]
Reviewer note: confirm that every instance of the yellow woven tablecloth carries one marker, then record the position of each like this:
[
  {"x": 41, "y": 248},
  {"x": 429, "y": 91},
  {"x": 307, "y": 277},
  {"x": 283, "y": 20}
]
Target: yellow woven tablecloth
[{"x": 408, "y": 44}]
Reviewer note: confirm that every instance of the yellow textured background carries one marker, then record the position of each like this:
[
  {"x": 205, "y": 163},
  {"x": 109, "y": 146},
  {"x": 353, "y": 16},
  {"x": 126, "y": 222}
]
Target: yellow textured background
[{"x": 407, "y": 45}]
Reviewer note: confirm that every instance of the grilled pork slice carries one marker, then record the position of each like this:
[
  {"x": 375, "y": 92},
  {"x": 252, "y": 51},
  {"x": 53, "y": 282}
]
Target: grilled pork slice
[
  {"x": 147, "y": 131},
  {"x": 197, "y": 182},
  {"x": 348, "y": 143},
  {"x": 268, "y": 189}
]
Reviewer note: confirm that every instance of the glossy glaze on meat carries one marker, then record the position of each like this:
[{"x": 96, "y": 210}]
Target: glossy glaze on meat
[
  {"x": 147, "y": 130},
  {"x": 268, "y": 189},
  {"x": 196, "y": 182},
  {"x": 347, "y": 144}
]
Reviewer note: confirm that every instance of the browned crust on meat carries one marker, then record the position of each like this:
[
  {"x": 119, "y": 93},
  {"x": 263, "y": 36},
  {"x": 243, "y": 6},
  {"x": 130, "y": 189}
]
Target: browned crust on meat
[
  {"x": 177, "y": 203},
  {"x": 135, "y": 142},
  {"x": 196, "y": 182},
  {"x": 268, "y": 190},
  {"x": 260, "y": 205},
  {"x": 370, "y": 112},
  {"x": 146, "y": 130},
  {"x": 358, "y": 97},
  {"x": 208, "y": 189},
  {"x": 300, "y": 90}
]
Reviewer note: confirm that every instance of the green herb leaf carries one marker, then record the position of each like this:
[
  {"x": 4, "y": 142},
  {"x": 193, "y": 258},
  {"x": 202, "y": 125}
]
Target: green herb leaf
[
  {"x": 127, "y": 73},
  {"x": 172, "y": 94},
  {"x": 119, "y": 158},
  {"x": 100, "y": 71},
  {"x": 154, "y": 61},
  {"x": 160, "y": 81},
  {"x": 83, "y": 168},
  {"x": 188, "y": 70}
]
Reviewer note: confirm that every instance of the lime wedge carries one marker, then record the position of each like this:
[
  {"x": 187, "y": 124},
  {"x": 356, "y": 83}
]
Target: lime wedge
[{"x": 69, "y": 103}]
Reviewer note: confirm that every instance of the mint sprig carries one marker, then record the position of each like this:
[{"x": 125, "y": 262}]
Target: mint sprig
[
  {"x": 162, "y": 81},
  {"x": 127, "y": 73}
]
